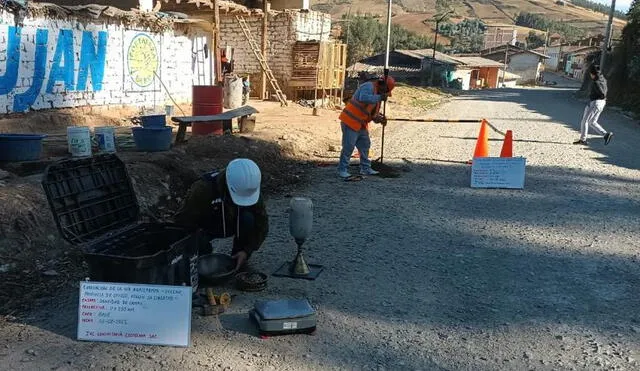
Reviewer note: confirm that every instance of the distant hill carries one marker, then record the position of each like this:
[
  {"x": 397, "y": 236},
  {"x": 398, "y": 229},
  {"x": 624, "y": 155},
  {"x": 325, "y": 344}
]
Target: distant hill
[{"x": 412, "y": 13}]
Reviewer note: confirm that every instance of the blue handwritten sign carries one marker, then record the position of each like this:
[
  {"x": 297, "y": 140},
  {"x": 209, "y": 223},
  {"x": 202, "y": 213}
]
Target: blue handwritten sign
[{"x": 61, "y": 67}]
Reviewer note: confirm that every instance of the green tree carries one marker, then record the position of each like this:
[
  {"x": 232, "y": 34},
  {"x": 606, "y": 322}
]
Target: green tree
[
  {"x": 623, "y": 68},
  {"x": 534, "y": 40},
  {"x": 539, "y": 22},
  {"x": 466, "y": 36},
  {"x": 367, "y": 36}
]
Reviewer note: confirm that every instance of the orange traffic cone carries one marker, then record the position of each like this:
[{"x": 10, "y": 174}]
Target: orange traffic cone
[
  {"x": 482, "y": 144},
  {"x": 507, "y": 146}
]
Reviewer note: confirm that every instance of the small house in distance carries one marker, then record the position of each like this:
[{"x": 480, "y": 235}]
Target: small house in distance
[
  {"x": 575, "y": 62},
  {"x": 528, "y": 64},
  {"x": 462, "y": 72},
  {"x": 558, "y": 55}
]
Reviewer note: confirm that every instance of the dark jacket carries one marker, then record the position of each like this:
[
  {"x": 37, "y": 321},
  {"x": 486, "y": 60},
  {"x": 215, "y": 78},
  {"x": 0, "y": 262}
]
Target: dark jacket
[
  {"x": 208, "y": 206},
  {"x": 598, "y": 88}
]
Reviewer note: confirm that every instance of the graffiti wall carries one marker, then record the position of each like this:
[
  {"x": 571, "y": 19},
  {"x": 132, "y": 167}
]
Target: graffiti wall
[{"x": 56, "y": 64}]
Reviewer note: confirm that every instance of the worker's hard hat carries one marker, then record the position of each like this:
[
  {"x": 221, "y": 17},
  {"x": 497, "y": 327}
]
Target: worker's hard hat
[
  {"x": 390, "y": 82},
  {"x": 243, "y": 180}
]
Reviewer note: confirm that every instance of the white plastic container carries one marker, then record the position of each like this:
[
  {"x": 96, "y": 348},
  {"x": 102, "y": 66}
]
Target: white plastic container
[
  {"x": 300, "y": 218},
  {"x": 79, "y": 140},
  {"x": 106, "y": 138},
  {"x": 232, "y": 92}
]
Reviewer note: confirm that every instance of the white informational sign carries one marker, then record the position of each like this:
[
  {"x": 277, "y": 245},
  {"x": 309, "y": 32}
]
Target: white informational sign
[
  {"x": 135, "y": 314},
  {"x": 498, "y": 172}
]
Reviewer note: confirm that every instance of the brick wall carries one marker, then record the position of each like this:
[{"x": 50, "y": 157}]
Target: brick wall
[
  {"x": 50, "y": 63},
  {"x": 313, "y": 26},
  {"x": 284, "y": 29}
]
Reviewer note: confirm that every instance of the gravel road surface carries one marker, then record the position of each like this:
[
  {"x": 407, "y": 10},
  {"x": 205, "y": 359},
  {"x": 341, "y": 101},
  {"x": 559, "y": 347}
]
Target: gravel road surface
[{"x": 424, "y": 273}]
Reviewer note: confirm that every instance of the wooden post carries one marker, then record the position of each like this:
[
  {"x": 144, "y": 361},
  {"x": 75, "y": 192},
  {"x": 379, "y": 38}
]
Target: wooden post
[
  {"x": 265, "y": 38},
  {"x": 216, "y": 42},
  {"x": 506, "y": 55},
  {"x": 343, "y": 70}
]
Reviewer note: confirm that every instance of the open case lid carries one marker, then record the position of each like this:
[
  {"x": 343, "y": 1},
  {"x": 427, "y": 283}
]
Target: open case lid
[{"x": 90, "y": 197}]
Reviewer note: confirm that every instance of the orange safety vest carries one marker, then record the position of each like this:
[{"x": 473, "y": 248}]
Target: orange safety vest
[{"x": 357, "y": 115}]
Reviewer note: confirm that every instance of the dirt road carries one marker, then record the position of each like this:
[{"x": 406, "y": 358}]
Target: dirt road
[{"x": 423, "y": 272}]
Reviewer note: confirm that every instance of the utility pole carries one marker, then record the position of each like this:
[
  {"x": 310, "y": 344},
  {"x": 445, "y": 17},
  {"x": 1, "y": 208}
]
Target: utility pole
[
  {"x": 607, "y": 37},
  {"x": 349, "y": 34},
  {"x": 435, "y": 41},
  {"x": 386, "y": 74},
  {"x": 504, "y": 71},
  {"x": 433, "y": 57},
  {"x": 346, "y": 68}
]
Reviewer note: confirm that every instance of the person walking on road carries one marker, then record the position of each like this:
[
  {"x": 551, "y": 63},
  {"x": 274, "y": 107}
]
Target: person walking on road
[
  {"x": 363, "y": 108},
  {"x": 597, "y": 101}
]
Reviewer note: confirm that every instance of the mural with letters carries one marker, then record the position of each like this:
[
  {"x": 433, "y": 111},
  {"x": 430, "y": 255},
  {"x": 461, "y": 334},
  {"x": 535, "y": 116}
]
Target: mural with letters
[
  {"x": 30, "y": 60},
  {"x": 53, "y": 63}
]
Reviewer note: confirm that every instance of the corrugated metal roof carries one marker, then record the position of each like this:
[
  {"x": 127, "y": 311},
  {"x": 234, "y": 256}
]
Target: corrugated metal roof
[
  {"x": 427, "y": 53},
  {"x": 421, "y": 54},
  {"x": 375, "y": 68},
  {"x": 569, "y": 48},
  {"x": 512, "y": 51},
  {"x": 155, "y": 21},
  {"x": 477, "y": 62}
]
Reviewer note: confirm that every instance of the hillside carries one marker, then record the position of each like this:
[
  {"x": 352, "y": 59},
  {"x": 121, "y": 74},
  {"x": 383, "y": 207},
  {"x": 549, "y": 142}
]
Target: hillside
[{"x": 412, "y": 13}]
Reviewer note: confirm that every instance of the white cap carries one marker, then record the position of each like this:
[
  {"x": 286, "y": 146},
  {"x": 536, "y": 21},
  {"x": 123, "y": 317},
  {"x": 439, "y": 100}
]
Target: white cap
[{"x": 243, "y": 180}]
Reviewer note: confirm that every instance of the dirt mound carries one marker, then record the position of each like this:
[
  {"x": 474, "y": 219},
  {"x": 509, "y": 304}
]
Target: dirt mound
[
  {"x": 281, "y": 170},
  {"x": 36, "y": 262}
]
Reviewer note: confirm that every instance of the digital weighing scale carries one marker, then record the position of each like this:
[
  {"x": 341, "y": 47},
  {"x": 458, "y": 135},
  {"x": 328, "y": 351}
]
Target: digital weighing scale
[{"x": 282, "y": 317}]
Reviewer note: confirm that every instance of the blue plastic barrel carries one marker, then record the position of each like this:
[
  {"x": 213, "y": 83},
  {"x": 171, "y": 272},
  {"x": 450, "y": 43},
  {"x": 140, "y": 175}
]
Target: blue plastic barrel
[
  {"x": 152, "y": 139},
  {"x": 20, "y": 147},
  {"x": 153, "y": 121}
]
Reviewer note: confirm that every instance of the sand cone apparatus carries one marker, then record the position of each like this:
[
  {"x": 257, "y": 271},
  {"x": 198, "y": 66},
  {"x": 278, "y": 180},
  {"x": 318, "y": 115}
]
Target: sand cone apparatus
[
  {"x": 507, "y": 146},
  {"x": 482, "y": 144}
]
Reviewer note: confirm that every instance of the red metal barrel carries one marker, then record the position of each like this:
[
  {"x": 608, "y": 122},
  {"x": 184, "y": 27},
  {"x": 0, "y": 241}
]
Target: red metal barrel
[{"x": 207, "y": 100}]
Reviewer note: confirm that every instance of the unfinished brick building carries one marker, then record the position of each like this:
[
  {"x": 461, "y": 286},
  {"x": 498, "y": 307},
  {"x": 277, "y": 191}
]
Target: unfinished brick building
[{"x": 286, "y": 28}]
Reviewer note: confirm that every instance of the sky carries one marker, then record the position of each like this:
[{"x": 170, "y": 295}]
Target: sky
[{"x": 622, "y": 5}]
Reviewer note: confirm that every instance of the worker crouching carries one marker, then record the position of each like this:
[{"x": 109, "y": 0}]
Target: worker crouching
[
  {"x": 362, "y": 108},
  {"x": 228, "y": 203}
]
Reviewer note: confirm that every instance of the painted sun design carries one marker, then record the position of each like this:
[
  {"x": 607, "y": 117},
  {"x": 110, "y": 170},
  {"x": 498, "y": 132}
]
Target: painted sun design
[{"x": 143, "y": 60}]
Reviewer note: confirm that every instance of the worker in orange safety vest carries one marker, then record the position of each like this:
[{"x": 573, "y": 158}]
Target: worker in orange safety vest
[{"x": 362, "y": 108}]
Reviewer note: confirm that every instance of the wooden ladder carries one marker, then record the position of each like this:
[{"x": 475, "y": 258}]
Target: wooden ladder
[{"x": 262, "y": 60}]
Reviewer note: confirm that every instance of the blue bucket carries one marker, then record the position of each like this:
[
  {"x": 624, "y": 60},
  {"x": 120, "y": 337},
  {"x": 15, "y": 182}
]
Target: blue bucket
[
  {"x": 20, "y": 147},
  {"x": 153, "y": 121},
  {"x": 153, "y": 139}
]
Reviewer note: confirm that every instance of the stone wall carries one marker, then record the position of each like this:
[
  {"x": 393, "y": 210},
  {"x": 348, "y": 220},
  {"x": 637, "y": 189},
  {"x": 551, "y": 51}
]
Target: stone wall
[
  {"x": 52, "y": 63},
  {"x": 284, "y": 29}
]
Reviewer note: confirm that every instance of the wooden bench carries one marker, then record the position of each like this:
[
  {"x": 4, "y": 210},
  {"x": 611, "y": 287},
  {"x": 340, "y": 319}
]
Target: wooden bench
[{"x": 225, "y": 117}]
